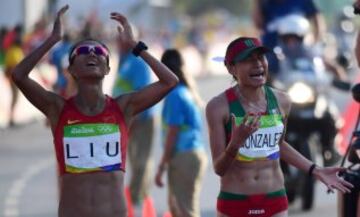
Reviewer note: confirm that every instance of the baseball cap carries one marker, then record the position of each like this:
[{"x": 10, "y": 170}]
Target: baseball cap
[{"x": 240, "y": 48}]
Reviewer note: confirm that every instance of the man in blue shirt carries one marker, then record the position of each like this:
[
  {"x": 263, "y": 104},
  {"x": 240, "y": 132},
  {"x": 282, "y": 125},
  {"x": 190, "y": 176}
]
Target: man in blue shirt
[
  {"x": 267, "y": 12},
  {"x": 134, "y": 74},
  {"x": 56, "y": 58}
]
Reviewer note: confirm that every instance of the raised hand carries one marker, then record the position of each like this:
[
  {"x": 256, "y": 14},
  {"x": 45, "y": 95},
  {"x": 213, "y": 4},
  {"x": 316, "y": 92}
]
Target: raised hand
[
  {"x": 329, "y": 176},
  {"x": 125, "y": 33},
  {"x": 57, "y": 32},
  {"x": 240, "y": 133}
]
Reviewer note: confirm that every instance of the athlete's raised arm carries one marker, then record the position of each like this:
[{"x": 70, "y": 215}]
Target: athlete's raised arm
[{"x": 47, "y": 102}]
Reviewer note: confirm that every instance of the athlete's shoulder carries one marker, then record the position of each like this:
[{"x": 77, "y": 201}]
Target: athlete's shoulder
[
  {"x": 217, "y": 105},
  {"x": 279, "y": 93},
  {"x": 283, "y": 99}
]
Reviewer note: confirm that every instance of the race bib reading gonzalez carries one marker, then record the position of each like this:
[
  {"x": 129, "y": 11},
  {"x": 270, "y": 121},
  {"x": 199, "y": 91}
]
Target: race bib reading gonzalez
[
  {"x": 92, "y": 147},
  {"x": 264, "y": 143}
]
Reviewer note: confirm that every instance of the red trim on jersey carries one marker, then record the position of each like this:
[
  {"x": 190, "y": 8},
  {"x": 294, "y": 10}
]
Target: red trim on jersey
[
  {"x": 230, "y": 95},
  {"x": 111, "y": 114}
]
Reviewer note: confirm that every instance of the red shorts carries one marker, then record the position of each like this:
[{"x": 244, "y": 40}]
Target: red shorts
[{"x": 258, "y": 205}]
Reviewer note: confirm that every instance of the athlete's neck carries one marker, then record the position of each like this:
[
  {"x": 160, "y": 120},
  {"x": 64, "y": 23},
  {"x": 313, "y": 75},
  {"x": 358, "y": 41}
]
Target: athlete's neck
[
  {"x": 90, "y": 99},
  {"x": 251, "y": 94}
]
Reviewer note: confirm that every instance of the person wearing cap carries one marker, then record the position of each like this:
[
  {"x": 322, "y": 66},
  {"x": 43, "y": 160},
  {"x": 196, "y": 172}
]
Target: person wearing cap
[{"x": 247, "y": 123}]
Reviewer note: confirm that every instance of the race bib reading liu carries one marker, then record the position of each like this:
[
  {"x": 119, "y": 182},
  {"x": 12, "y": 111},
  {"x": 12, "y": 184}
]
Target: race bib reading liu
[{"x": 92, "y": 147}]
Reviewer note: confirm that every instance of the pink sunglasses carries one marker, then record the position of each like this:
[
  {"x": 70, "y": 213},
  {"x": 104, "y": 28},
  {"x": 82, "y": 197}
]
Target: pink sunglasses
[{"x": 87, "y": 49}]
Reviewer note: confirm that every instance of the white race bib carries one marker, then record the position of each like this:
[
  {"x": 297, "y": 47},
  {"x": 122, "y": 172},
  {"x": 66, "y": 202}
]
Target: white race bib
[
  {"x": 92, "y": 147},
  {"x": 264, "y": 143}
]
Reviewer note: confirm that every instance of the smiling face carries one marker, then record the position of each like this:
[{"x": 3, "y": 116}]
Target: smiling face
[
  {"x": 251, "y": 71},
  {"x": 89, "y": 59}
]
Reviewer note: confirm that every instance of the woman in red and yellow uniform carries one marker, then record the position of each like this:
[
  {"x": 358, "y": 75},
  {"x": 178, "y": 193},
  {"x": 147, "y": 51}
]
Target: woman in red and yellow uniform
[{"x": 90, "y": 129}]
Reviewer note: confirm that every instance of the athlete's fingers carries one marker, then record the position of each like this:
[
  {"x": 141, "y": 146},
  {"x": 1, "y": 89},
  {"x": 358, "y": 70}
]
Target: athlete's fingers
[
  {"x": 342, "y": 188},
  {"x": 233, "y": 120},
  {"x": 62, "y": 10},
  {"x": 256, "y": 121},
  {"x": 346, "y": 183},
  {"x": 245, "y": 120},
  {"x": 121, "y": 19},
  {"x": 330, "y": 189}
]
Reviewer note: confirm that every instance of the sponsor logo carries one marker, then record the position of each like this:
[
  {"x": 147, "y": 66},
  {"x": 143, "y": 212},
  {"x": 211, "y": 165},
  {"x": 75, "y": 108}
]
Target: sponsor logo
[
  {"x": 249, "y": 43},
  {"x": 256, "y": 211},
  {"x": 82, "y": 130},
  {"x": 73, "y": 121}
]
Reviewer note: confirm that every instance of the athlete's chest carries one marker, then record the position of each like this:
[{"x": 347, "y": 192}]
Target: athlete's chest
[{"x": 91, "y": 143}]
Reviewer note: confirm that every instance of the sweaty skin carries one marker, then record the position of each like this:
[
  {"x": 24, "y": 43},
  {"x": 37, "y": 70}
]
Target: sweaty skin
[
  {"x": 255, "y": 177},
  {"x": 97, "y": 193},
  {"x": 243, "y": 177}
]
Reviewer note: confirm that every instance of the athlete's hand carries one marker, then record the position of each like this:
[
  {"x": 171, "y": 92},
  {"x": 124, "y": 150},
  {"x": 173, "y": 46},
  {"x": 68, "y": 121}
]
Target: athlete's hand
[
  {"x": 329, "y": 176},
  {"x": 241, "y": 132},
  {"x": 126, "y": 35},
  {"x": 159, "y": 174},
  {"x": 57, "y": 32}
]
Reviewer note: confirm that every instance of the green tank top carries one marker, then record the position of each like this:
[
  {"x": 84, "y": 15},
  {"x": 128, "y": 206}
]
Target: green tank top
[{"x": 264, "y": 143}]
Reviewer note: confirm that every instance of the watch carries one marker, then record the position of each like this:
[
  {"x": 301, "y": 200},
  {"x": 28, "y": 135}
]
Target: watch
[{"x": 139, "y": 47}]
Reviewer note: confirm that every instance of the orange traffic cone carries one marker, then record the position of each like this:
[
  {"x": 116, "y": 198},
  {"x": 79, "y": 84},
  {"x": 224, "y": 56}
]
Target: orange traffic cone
[
  {"x": 167, "y": 214},
  {"x": 129, "y": 203},
  {"x": 148, "y": 209},
  {"x": 349, "y": 122}
]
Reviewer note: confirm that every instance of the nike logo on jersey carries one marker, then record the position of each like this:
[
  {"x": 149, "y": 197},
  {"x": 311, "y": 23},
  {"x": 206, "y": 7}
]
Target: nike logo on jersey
[{"x": 73, "y": 121}]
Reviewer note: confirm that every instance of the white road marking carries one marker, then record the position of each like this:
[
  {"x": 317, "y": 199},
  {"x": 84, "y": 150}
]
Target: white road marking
[{"x": 14, "y": 194}]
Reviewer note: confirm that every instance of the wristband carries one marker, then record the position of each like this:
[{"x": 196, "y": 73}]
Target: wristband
[
  {"x": 311, "y": 169},
  {"x": 139, "y": 47}
]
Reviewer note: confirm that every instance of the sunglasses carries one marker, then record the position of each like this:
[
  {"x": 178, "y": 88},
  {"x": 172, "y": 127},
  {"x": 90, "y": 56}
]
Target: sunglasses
[{"x": 87, "y": 49}]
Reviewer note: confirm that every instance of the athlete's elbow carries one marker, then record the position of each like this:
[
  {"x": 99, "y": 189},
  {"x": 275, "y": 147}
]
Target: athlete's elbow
[
  {"x": 173, "y": 82},
  {"x": 219, "y": 171},
  {"x": 170, "y": 84},
  {"x": 16, "y": 75}
]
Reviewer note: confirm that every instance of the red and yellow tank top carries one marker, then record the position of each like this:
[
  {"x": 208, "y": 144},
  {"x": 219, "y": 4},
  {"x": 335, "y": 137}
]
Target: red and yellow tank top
[
  {"x": 264, "y": 143},
  {"x": 91, "y": 143}
]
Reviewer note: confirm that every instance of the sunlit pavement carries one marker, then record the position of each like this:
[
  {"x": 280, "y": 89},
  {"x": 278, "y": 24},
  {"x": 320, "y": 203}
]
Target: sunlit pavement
[{"x": 27, "y": 174}]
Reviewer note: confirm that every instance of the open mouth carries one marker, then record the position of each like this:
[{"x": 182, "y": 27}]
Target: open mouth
[
  {"x": 91, "y": 63},
  {"x": 257, "y": 75}
]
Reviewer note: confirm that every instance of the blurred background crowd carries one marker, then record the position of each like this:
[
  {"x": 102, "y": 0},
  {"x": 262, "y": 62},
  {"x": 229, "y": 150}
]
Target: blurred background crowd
[{"x": 200, "y": 29}]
